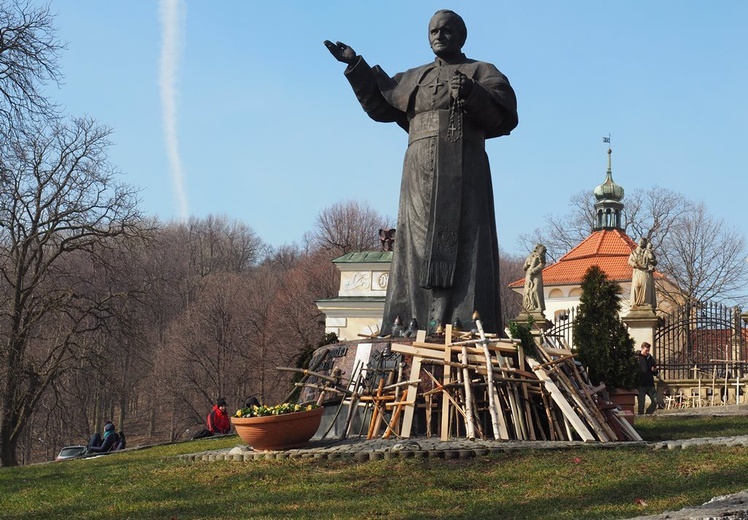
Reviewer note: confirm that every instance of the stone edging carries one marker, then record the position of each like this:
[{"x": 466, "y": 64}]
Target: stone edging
[{"x": 363, "y": 451}]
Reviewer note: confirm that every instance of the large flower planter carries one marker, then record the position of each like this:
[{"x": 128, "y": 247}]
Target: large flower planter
[{"x": 278, "y": 432}]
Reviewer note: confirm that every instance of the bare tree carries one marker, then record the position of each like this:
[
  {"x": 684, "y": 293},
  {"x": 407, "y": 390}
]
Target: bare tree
[
  {"x": 219, "y": 244},
  {"x": 60, "y": 200},
  {"x": 345, "y": 227},
  {"x": 207, "y": 344},
  {"x": 28, "y": 59},
  {"x": 562, "y": 232},
  {"x": 510, "y": 270},
  {"x": 703, "y": 257},
  {"x": 204, "y": 267}
]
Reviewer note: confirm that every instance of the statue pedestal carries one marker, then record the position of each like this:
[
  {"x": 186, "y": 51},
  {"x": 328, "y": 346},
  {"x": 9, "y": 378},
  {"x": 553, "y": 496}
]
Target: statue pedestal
[
  {"x": 642, "y": 323},
  {"x": 537, "y": 317}
]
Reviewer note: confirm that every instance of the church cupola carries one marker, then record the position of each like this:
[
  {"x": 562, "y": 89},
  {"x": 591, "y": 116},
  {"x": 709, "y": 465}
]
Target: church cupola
[{"x": 608, "y": 205}]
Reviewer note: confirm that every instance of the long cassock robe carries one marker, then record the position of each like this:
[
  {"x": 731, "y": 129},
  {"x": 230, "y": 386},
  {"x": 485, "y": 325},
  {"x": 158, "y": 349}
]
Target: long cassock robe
[{"x": 446, "y": 260}]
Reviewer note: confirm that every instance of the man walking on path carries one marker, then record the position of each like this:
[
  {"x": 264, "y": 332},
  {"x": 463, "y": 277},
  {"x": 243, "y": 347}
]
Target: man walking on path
[{"x": 647, "y": 371}]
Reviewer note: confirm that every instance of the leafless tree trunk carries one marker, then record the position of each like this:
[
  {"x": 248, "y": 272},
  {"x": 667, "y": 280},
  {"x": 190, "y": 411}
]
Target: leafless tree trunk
[{"x": 59, "y": 200}]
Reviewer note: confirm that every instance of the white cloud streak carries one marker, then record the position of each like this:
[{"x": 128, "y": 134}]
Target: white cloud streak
[{"x": 169, "y": 13}]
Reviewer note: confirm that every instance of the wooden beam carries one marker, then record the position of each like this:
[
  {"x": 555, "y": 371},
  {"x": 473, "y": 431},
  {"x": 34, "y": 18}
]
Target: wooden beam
[
  {"x": 558, "y": 397},
  {"x": 412, "y": 393}
]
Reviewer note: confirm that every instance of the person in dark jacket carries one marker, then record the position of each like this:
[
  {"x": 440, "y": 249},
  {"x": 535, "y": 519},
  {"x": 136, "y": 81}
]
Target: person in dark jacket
[
  {"x": 99, "y": 444},
  {"x": 646, "y": 384},
  {"x": 218, "y": 420}
]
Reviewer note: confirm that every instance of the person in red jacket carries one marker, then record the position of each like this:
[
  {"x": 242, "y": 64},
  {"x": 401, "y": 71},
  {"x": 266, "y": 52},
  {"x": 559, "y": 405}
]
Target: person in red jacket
[{"x": 218, "y": 420}]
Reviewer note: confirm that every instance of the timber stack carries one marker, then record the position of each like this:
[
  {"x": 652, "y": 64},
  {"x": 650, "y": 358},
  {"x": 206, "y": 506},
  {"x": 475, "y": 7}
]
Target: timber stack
[{"x": 468, "y": 384}]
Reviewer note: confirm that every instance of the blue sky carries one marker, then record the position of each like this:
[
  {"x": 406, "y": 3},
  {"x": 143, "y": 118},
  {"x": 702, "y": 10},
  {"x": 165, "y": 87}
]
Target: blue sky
[{"x": 249, "y": 116}]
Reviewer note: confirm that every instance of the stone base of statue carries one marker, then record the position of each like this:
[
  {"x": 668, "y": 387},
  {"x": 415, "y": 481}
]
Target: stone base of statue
[
  {"x": 642, "y": 323},
  {"x": 537, "y": 317},
  {"x": 641, "y": 312}
]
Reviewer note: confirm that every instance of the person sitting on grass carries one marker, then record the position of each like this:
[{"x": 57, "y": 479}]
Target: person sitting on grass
[
  {"x": 217, "y": 422},
  {"x": 99, "y": 444}
]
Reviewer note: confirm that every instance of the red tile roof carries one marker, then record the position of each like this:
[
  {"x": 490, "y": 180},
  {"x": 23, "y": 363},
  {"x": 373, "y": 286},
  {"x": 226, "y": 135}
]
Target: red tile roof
[{"x": 607, "y": 248}]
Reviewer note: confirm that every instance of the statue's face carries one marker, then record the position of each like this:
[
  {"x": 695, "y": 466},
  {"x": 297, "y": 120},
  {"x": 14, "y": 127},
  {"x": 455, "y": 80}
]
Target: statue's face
[{"x": 445, "y": 36}]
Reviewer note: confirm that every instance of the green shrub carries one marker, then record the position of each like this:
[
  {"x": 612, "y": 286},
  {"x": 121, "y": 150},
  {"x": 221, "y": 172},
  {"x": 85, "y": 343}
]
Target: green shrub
[{"x": 602, "y": 340}]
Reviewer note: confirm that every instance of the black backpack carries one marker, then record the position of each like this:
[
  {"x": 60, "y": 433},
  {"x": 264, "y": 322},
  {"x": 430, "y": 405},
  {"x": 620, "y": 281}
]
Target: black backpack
[{"x": 119, "y": 443}]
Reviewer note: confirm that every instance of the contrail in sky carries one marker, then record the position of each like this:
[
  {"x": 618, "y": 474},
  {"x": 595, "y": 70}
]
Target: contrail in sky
[{"x": 169, "y": 11}]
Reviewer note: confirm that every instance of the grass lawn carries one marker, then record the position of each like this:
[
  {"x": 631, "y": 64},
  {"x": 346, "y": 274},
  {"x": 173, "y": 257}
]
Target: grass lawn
[{"x": 585, "y": 482}]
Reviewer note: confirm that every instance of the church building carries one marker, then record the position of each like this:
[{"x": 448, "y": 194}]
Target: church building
[{"x": 608, "y": 247}]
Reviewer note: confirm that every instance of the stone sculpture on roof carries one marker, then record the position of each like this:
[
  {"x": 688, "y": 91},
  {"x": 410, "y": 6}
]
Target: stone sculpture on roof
[
  {"x": 643, "y": 260},
  {"x": 533, "y": 299}
]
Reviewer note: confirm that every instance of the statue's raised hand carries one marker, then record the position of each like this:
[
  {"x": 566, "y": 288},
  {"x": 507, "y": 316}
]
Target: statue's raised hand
[{"x": 341, "y": 52}]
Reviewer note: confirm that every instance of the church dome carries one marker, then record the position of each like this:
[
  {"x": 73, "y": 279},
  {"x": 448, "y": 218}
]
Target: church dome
[{"x": 609, "y": 190}]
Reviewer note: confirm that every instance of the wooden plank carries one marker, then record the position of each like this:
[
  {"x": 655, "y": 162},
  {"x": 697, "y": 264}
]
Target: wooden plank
[
  {"x": 515, "y": 402},
  {"x": 558, "y": 397},
  {"x": 444, "y": 428},
  {"x": 503, "y": 430},
  {"x": 562, "y": 359},
  {"x": 395, "y": 415},
  {"x": 469, "y": 412},
  {"x": 428, "y": 400},
  {"x": 587, "y": 409},
  {"x": 492, "y": 403},
  {"x": 626, "y": 427},
  {"x": 417, "y": 351},
  {"x": 355, "y": 396},
  {"x": 412, "y": 393},
  {"x": 498, "y": 347},
  {"x": 376, "y": 414},
  {"x": 443, "y": 389},
  {"x": 415, "y": 371},
  {"x": 588, "y": 393},
  {"x": 556, "y": 351}
]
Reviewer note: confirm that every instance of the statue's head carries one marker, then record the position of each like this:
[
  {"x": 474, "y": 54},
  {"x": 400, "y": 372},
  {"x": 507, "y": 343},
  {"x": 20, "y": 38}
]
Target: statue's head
[{"x": 447, "y": 33}]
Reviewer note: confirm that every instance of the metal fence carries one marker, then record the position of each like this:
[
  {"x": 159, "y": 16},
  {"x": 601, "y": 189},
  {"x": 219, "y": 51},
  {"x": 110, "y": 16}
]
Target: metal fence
[
  {"x": 564, "y": 326},
  {"x": 706, "y": 341},
  {"x": 702, "y": 340}
]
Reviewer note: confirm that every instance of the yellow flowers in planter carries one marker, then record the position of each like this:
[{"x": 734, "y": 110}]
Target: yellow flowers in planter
[{"x": 279, "y": 409}]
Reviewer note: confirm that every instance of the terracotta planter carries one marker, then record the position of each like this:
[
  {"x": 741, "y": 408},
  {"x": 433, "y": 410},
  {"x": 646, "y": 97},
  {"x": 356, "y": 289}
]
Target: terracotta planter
[
  {"x": 626, "y": 399},
  {"x": 278, "y": 432}
]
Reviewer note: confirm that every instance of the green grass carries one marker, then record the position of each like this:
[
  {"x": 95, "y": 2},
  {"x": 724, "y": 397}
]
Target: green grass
[
  {"x": 673, "y": 427},
  {"x": 576, "y": 483}
]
